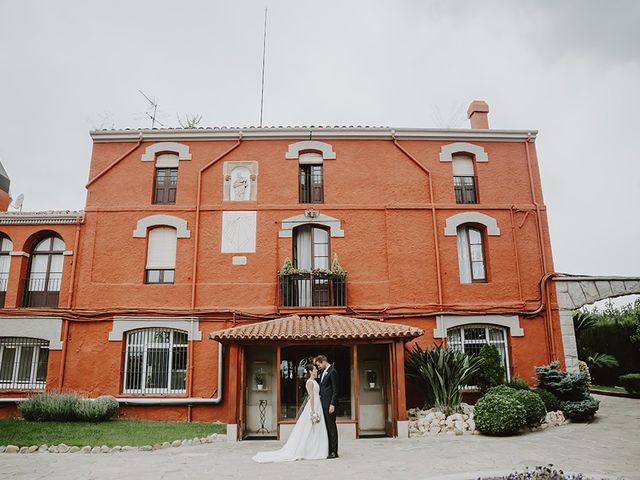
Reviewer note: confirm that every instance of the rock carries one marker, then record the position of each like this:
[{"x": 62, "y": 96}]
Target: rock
[
  {"x": 62, "y": 448},
  {"x": 459, "y": 425},
  {"x": 43, "y": 448},
  {"x": 105, "y": 449},
  {"x": 145, "y": 448},
  {"x": 74, "y": 449},
  {"x": 53, "y": 449},
  {"x": 128, "y": 448},
  {"x": 24, "y": 449},
  {"x": 471, "y": 424},
  {"x": 450, "y": 432},
  {"x": 85, "y": 449},
  {"x": 95, "y": 450},
  {"x": 166, "y": 445},
  {"x": 458, "y": 431},
  {"x": 476, "y": 432},
  {"x": 12, "y": 449},
  {"x": 184, "y": 443},
  {"x": 2, "y": 448},
  {"x": 156, "y": 446},
  {"x": 176, "y": 443},
  {"x": 116, "y": 448},
  {"x": 32, "y": 449},
  {"x": 221, "y": 438}
]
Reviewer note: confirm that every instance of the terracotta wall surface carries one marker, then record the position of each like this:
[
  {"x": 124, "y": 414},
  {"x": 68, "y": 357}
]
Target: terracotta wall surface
[{"x": 382, "y": 200}]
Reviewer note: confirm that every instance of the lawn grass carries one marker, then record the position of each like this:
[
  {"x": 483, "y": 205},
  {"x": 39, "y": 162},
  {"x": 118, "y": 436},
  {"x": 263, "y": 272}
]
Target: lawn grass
[{"x": 22, "y": 433}]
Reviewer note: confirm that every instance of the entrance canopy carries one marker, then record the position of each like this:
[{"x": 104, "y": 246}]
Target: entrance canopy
[{"x": 297, "y": 328}]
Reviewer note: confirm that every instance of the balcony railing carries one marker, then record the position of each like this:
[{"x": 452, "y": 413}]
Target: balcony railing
[
  {"x": 41, "y": 292},
  {"x": 312, "y": 290}
]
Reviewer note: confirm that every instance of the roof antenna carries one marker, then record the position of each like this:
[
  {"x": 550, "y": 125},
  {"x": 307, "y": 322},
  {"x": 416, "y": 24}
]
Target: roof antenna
[
  {"x": 264, "y": 51},
  {"x": 154, "y": 106}
]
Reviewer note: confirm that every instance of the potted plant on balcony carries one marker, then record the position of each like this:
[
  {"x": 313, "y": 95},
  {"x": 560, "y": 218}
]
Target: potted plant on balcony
[
  {"x": 284, "y": 277},
  {"x": 337, "y": 275},
  {"x": 260, "y": 377}
]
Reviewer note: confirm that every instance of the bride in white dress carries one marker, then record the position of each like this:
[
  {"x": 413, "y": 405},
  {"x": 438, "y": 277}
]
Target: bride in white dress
[{"x": 308, "y": 439}]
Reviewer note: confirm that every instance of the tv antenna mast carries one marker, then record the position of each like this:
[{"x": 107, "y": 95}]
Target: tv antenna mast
[
  {"x": 264, "y": 51},
  {"x": 153, "y": 105}
]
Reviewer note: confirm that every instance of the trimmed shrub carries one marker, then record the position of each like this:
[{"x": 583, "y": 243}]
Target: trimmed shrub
[
  {"x": 50, "y": 407},
  {"x": 582, "y": 410},
  {"x": 56, "y": 407},
  {"x": 517, "y": 383},
  {"x": 584, "y": 368},
  {"x": 550, "y": 401},
  {"x": 501, "y": 390},
  {"x": 533, "y": 405},
  {"x": 631, "y": 382},
  {"x": 98, "y": 410},
  {"x": 492, "y": 372},
  {"x": 499, "y": 415}
]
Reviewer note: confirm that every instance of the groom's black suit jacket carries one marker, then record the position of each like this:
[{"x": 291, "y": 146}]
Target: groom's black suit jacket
[{"x": 329, "y": 388}]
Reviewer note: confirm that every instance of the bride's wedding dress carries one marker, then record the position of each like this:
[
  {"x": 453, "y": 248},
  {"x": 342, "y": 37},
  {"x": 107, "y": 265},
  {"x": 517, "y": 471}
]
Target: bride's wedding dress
[{"x": 308, "y": 441}]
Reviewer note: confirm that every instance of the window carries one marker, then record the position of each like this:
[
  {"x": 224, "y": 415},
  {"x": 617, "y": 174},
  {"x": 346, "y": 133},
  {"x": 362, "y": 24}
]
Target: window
[
  {"x": 166, "y": 185},
  {"x": 471, "y": 255},
  {"x": 161, "y": 255},
  {"x": 156, "y": 361},
  {"x": 464, "y": 180},
  {"x": 471, "y": 338},
  {"x": 5, "y": 262},
  {"x": 311, "y": 248},
  {"x": 311, "y": 182},
  {"x": 23, "y": 363},
  {"x": 45, "y": 273}
]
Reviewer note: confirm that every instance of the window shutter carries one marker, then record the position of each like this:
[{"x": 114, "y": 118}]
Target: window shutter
[
  {"x": 463, "y": 167},
  {"x": 161, "y": 252}
]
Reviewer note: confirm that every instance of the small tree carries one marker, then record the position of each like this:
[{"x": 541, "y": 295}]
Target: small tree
[
  {"x": 492, "y": 372},
  {"x": 287, "y": 268},
  {"x": 336, "y": 269}
]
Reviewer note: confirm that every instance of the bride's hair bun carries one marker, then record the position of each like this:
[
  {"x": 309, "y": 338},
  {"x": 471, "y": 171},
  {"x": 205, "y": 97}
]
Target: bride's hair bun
[{"x": 309, "y": 368}]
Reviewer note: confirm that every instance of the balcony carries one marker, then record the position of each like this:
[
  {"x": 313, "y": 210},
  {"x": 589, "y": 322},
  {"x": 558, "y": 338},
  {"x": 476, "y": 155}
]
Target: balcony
[
  {"x": 312, "y": 289},
  {"x": 41, "y": 292}
]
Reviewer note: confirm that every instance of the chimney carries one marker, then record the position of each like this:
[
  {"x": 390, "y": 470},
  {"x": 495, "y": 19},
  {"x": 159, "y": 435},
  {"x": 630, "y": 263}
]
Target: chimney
[{"x": 478, "y": 114}]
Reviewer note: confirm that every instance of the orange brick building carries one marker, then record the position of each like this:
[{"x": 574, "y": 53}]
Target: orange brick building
[{"x": 209, "y": 264}]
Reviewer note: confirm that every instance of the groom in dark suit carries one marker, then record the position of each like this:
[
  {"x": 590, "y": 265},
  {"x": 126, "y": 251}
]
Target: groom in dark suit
[{"x": 328, "y": 379}]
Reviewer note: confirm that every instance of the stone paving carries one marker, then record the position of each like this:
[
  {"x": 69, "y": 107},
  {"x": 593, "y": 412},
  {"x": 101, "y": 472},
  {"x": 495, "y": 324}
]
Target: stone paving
[{"x": 608, "y": 447}]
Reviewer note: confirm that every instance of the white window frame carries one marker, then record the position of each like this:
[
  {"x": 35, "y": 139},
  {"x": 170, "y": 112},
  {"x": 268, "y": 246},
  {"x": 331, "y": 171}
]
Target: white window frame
[
  {"x": 18, "y": 343},
  {"x": 143, "y": 390},
  {"x": 504, "y": 342}
]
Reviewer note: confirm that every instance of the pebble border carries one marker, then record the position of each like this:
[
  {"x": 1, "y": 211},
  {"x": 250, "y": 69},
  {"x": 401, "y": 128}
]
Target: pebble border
[{"x": 62, "y": 448}]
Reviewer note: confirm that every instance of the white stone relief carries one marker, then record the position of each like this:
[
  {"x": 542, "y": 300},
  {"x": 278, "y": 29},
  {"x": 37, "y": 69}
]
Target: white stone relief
[
  {"x": 239, "y": 232},
  {"x": 240, "y": 181}
]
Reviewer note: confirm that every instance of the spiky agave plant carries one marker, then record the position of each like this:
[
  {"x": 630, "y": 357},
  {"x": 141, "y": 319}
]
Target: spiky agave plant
[{"x": 442, "y": 371}]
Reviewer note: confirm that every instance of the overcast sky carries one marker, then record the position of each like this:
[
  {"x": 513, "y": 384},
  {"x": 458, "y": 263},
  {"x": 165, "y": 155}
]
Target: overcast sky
[{"x": 570, "y": 69}]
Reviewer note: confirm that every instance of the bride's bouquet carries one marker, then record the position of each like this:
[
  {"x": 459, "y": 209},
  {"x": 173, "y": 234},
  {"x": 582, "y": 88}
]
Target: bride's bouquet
[{"x": 315, "y": 417}]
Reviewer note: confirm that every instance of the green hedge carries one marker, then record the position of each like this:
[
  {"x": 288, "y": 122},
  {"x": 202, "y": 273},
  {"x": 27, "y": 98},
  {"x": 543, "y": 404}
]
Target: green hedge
[
  {"x": 631, "y": 382},
  {"x": 55, "y": 407},
  {"x": 550, "y": 401},
  {"x": 499, "y": 415},
  {"x": 517, "y": 383}
]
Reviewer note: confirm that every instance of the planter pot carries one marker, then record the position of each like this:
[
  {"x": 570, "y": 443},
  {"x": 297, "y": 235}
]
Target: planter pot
[
  {"x": 260, "y": 387},
  {"x": 372, "y": 385}
]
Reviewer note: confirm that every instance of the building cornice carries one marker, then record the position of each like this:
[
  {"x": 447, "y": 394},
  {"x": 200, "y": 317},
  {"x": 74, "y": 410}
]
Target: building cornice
[
  {"x": 312, "y": 133},
  {"x": 42, "y": 218}
]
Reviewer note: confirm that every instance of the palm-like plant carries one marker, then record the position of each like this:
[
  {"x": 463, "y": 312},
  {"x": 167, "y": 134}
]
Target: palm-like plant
[
  {"x": 602, "y": 360},
  {"x": 442, "y": 372}
]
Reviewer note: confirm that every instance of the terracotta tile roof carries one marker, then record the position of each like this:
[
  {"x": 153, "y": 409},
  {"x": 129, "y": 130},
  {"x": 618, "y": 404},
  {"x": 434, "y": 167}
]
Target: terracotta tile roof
[{"x": 329, "y": 327}]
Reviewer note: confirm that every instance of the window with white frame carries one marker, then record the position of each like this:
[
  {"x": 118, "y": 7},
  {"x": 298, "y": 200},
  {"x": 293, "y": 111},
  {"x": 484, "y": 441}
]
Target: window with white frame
[
  {"x": 23, "y": 363},
  {"x": 5, "y": 262},
  {"x": 471, "y": 338},
  {"x": 464, "y": 180},
  {"x": 161, "y": 255},
  {"x": 156, "y": 361},
  {"x": 471, "y": 258}
]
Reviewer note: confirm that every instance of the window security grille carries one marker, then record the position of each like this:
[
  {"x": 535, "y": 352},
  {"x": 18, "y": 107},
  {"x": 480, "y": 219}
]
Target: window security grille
[
  {"x": 471, "y": 338},
  {"x": 311, "y": 184},
  {"x": 465, "y": 189},
  {"x": 23, "y": 363},
  {"x": 156, "y": 362}
]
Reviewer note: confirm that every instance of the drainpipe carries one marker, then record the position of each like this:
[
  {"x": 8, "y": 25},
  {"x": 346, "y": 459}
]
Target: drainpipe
[
  {"x": 433, "y": 212},
  {"x": 140, "y": 138},
  {"x": 194, "y": 269},
  {"x": 161, "y": 401},
  {"x": 75, "y": 262}
]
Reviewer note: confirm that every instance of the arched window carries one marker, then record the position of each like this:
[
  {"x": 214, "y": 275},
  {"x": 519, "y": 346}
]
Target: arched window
[
  {"x": 45, "y": 273},
  {"x": 23, "y": 363},
  {"x": 471, "y": 338},
  {"x": 156, "y": 361},
  {"x": 471, "y": 257},
  {"x": 5, "y": 262},
  {"x": 161, "y": 255},
  {"x": 464, "y": 179}
]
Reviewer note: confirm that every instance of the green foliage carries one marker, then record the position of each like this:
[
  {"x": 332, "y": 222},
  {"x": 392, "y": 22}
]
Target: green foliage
[
  {"x": 501, "y": 390},
  {"x": 441, "y": 372},
  {"x": 584, "y": 368},
  {"x": 610, "y": 331},
  {"x": 492, "y": 372},
  {"x": 517, "y": 383},
  {"x": 533, "y": 405},
  {"x": 570, "y": 389},
  {"x": 550, "y": 401},
  {"x": 581, "y": 410},
  {"x": 631, "y": 382},
  {"x": 336, "y": 269},
  {"x": 55, "y": 407},
  {"x": 497, "y": 414},
  {"x": 602, "y": 360},
  {"x": 287, "y": 268}
]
